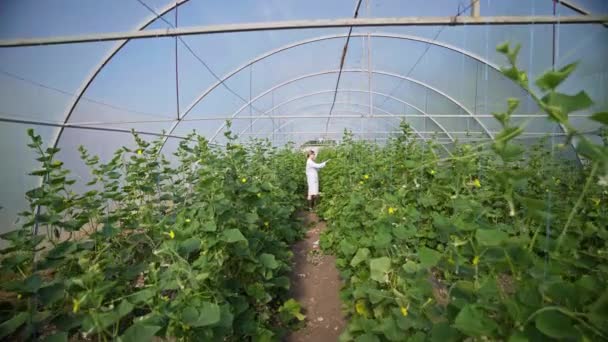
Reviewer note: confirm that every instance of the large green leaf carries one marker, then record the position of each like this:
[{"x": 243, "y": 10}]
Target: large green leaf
[
  {"x": 51, "y": 294},
  {"x": 428, "y": 257},
  {"x": 362, "y": 255},
  {"x": 368, "y": 337},
  {"x": 57, "y": 337},
  {"x": 205, "y": 315},
  {"x": 600, "y": 117},
  {"x": 269, "y": 261},
  {"x": 234, "y": 235},
  {"x": 472, "y": 321},
  {"x": 189, "y": 245},
  {"x": 379, "y": 269},
  {"x": 555, "y": 324},
  {"x": 568, "y": 103},
  {"x": 8, "y": 327},
  {"x": 490, "y": 237},
  {"x": 551, "y": 79},
  {"x": 139, "y": 332}
]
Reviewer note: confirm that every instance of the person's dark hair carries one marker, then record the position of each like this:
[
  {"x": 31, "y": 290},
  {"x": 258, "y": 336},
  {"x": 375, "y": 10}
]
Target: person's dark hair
[{"x": 310, "y": 153}]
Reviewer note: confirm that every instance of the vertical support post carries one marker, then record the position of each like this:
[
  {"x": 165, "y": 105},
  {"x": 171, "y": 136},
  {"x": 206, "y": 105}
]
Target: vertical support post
[{"x": 475, "y": 8}]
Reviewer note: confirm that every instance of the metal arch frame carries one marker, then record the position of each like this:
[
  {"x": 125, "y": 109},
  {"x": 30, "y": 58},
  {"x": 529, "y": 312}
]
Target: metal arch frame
[
  {"x": 329, "y": 37},
  {"x": 171, "y": 6},
  {"x": 117, "y": 47},
  {"x": 364, "y": 92},
  {"x": 341, "y": 111},
  {"x": 290, "y": 120},
  {"x": 354, "y": 71}
]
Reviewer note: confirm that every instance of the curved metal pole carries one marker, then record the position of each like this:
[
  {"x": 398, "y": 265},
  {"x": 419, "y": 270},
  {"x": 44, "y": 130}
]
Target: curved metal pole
[
  {"x": 358, "y": 91},
  {"x": 338, "y": 36},
  {"x": 117, "y": 47},
  {"x": 363, "y": 115},
  {"x": 342, "y": 111},
  {"x": 353, "y": 71},
  {"x": 345, "y": 111}
]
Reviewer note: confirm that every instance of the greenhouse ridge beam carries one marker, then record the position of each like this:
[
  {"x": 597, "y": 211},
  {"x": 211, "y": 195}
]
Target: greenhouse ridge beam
[{"x": 308, "y": 24}]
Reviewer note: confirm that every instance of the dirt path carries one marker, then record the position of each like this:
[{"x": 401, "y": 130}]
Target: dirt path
[{"x": 316, "y": 285}]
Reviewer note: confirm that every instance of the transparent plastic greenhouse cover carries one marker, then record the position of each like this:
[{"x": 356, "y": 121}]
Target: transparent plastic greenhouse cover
[{"x": 310, "y": 78}]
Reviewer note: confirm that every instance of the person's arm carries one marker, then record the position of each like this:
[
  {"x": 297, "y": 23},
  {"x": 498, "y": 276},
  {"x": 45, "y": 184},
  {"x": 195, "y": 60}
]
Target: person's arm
[{"x": 317, "y": 166}]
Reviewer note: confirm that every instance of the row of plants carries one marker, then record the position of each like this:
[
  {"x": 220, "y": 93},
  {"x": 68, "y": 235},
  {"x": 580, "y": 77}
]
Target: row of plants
[
  {"x": 195, "y": 249},
  {"x": 492, "y": 241}
]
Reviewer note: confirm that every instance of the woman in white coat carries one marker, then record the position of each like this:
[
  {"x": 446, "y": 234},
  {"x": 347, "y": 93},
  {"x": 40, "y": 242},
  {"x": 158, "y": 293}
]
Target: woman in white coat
[{"x": 312, "y": 176}]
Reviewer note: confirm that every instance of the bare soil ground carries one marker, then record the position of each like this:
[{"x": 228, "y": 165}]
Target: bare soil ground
[{"x": 316, "y": 285}]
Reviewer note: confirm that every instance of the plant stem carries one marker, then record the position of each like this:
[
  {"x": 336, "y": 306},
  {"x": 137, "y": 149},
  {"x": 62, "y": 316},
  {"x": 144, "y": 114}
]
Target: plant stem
[{"x": 560, "y": 239}]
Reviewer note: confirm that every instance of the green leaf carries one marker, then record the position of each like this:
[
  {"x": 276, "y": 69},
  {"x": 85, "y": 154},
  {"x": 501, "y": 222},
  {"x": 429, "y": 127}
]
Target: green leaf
[
  {"x": 233, "y": 235},
  {"x": 8, "y": 327},
  {"x": 551, "y": 79},
  {"x": 32, "y": 284},
  {"x": 139, "y": 332},
  {"x": 442, "y": 332},
  {"x": 503, "y": 48},
  {"x": 347, "y": 248},
  {"x": 269, "y": 261},
  {"x": 410, "y": 267},
  {"x": 568, "y": 103},
  {"x": 293, "y": 308},
  {"x": 51, "y": 294},
  {"x": 491, "y": 237},
  {"x": 368, "y": 337},
  {"x": 379, "y": 269},
  {"x": 472, "y": 321},
  {"x": 190, "y": 245},
  {"x": 428, "y": 257},
  {"x": 209, "y": 226},
  {"x": 601, "y": 117},
  {"x": 555, "y": 324},
  {"x": 190, "y": 315},
  {"x": 209, "y": 314},
  {"x": 362, "y": 255},
  {"x": 57, "y": 337},
  {"x": 141, "y": 296}
]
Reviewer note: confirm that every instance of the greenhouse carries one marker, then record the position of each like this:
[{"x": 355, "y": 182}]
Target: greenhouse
[{"x": 345, "y": 170}]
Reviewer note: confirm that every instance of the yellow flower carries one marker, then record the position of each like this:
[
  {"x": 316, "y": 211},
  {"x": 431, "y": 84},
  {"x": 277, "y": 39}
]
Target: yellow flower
[
  {"x": 75, "y": 305},
  {"x": 404, "y": 311},
  {"x": 266, "y": 224},
  {"x": 476, "y": 260},
  {"x": 366, "y": 176},
  {"x": 432, "y": 172},
  {"x": 476, "y": 183},
  {"x": 243, "y": 180},
  {"x": 187, "y": 220},
  {"x": 391, "y": 210},
  {"x": 139, "y": 152},
  {"x": 360, "y": 182},
  {"x": 360, "y": 307},
  {"x": 171, "y": 234}
]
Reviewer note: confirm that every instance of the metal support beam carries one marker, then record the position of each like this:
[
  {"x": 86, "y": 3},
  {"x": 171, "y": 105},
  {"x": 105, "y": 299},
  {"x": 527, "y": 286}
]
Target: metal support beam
[
  {"x": 308, "y": 24},
  {"x": 475, "y": 8},
  {"x": 91, "y": 128}
]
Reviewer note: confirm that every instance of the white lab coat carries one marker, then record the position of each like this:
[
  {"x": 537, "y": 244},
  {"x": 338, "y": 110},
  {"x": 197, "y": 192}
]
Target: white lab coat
[{"x": 312, "y": 176}]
